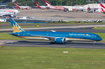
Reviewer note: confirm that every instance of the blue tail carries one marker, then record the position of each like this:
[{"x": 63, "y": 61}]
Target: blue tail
[{"x": 15, "y": 26}]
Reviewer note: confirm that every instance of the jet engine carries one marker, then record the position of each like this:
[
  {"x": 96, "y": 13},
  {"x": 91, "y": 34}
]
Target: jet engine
[
  {"x": 11, "y": 15},
  {"x": 60, "y": 40},
  {"x": 66, "y": 10}
]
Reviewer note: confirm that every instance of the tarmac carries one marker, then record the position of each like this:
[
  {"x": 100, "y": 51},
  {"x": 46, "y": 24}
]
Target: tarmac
[
  {"x": 28, "y": 43},
  {"x": 60, "y": 15}
]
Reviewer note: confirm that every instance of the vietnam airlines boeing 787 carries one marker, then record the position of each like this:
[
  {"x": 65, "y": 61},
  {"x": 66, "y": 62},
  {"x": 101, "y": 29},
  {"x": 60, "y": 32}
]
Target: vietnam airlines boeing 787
[{"x": 53, "y": 36}]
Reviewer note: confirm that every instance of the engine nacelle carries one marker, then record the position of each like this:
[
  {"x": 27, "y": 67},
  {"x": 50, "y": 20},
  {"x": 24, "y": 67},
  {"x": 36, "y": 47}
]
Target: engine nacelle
[
  {"x": 11, "y": 15},
  {"x": 60, "y": 40},
  {"x": 66, "y": 10}
]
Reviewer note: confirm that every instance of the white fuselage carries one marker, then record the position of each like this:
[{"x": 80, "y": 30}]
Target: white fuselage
[
  {"x": 11, "y": 12},
  {"x": 24, "y": 7}
]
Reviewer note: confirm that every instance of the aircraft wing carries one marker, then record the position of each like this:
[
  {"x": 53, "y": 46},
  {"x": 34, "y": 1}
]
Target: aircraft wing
[{"x": 53, "y": 38}]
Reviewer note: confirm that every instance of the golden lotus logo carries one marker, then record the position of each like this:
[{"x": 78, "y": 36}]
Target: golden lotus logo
[
  {"x": 16, "y": 29},
  {"x": 87, "y": 34}
]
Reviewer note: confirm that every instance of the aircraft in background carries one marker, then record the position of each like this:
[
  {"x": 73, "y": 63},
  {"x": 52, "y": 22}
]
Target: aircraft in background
[
  {"x": 53, "y": 7},
  {"x": 103, "y": 8},
  {"x": 53, "y": 36},
  {"x": 21, "y": 7},
  {"x": 8, "y": 12},
  {"x": 64, "y": 8},
  {"x": 40, "y": 7}
]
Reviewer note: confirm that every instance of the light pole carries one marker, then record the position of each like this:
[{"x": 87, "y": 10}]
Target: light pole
[
  {"x": 61, "y": 2},
  {"x": 93, "y": 10},
  {"x": 76, "y": 2},
  {"x": 38, "y": 1}
]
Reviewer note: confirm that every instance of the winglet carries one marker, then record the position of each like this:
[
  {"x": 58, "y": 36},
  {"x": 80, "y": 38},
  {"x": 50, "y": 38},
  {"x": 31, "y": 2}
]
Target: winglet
[{"x": 15, "y": 26}]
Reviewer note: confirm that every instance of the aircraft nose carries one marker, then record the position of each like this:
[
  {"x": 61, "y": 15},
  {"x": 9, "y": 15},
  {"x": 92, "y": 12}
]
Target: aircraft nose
[{"x": 99, "y": 39}]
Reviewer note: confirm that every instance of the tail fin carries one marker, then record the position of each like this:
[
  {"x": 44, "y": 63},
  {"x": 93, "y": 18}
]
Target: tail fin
[
  {"x": 38, "y": 5},
  {"x": 17, "y": 5},
  {"x": 103, "y": 8},
  {"x": 15, "y": 26},
  {"x": 47, "y": 3}
]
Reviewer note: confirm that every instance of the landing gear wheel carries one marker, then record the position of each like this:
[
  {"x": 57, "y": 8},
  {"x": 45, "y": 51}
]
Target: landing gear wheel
[
  {"x": 94, "y": 43},
  {"x": 53, "y": 42}
]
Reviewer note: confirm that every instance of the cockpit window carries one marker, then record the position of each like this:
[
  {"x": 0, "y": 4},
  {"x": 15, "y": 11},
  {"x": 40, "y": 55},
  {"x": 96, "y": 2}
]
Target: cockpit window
[{"x": 98, "y": 36}]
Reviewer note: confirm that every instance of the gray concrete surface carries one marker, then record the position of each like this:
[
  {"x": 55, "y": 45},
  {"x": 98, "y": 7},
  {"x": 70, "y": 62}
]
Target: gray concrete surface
[
  {"x": 28, "y": 43},
  {"x": 58, "y": 15}
]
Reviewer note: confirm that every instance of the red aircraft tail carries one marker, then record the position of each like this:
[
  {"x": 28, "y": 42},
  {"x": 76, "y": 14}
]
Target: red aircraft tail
[
  {"x": 38, "y": 5},
  {"x": 103, "y": 8},
  {"x": 17, "y": 5},
  {"x": 47, "y": 3}
]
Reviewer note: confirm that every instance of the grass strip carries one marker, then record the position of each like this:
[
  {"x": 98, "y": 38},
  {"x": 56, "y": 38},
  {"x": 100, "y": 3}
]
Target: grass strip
[
  {"x": 51, "y": 58},
  {"x": 100, "y": 28},
  {"x": 8, "y": 36},
  {"x": 70, "y": 22}
]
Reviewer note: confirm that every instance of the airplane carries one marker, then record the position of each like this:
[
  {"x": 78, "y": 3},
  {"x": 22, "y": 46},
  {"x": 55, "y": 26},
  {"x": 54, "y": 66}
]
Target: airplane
[
  {"x": 8, "y": 12},
  {"x": 64, "y": 8},
  {"x": 40, "y": 7},
  {"x": 21, "y": 7},
  {"x": 103, "y": 8},
  {"x": 53, "y": 7},
  {"x": 53, "y": 36}
]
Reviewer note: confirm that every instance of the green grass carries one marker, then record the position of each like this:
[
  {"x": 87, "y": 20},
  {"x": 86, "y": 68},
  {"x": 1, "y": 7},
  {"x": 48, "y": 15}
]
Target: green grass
[
  {"x": 102, "y": 35},
  {"x": 4, "y": 22},
  {"x": 70, "y": 22},
  {"x": 51, "y": 58},
  {"x": 100, "y": 28},
  {"x": 7, "y": 36}
]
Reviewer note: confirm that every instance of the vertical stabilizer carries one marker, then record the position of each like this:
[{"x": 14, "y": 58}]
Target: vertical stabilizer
[
  {"x": 38, "y": 5},
  {"x": 103, "y": 8},
  {"x": 47, "y": 3},
  {"x": 17, "y": 5},
  {"x": 15, "y": 26}
]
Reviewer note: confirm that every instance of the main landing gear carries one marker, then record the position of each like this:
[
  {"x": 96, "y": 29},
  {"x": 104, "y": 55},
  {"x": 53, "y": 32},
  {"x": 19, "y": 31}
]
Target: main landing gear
[{"x": 94, "y": 42}]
